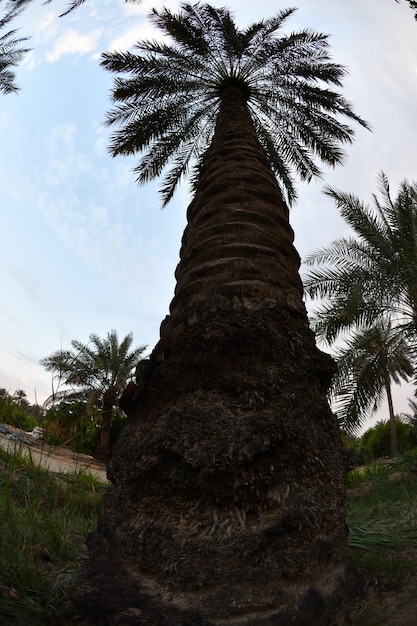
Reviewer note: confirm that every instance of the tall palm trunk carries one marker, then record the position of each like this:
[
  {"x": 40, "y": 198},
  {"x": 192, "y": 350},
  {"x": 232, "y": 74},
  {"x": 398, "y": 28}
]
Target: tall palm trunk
[
  {"x": 102, "y": 451},
  {"x": 237, "y": 247},
  {"x": 227, "y": 502},
  {"x": 394, "y": 438}
]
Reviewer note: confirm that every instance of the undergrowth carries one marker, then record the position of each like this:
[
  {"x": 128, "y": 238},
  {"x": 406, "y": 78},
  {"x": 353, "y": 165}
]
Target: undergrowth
[
  {"x": 382, "y": 520},
  {"x": 44, "y": 520}
]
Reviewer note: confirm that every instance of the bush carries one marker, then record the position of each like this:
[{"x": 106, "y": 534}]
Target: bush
[
  {"x": 16, "y": 415},
  {"x": 376, "y": 441}
]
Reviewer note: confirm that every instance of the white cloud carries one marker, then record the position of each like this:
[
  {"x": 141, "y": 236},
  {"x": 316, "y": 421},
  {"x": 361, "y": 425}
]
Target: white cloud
[{"x": 74, "y": 42}]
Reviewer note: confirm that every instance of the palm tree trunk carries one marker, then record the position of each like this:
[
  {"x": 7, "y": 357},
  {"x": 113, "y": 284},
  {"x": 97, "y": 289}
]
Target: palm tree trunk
[
  {"x": 103, "y": 446},
  {"x": 394, "y": 438},
  {"x": 237, "y": 248},
  {"x": 227, "y": 502}
]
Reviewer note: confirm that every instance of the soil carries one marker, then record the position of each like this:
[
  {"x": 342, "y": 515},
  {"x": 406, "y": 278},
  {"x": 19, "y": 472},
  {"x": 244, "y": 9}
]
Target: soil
[
  {"x": 58, "y": 459},
  {"x": 389, "y": 606}
]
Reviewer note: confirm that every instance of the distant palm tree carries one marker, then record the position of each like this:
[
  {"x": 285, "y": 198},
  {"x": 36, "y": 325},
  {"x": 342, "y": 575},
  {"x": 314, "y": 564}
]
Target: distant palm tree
[
  {"x": 10, "y": 52},
  {"x": 228, "y": 477},
  {"x": 99, "y": 371},
  {"x": 370, "y": 277},
  {"x": 367, "y": 364}
]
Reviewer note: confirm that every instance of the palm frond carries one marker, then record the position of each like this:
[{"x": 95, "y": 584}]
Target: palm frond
[{"x": 182, "y": 78}]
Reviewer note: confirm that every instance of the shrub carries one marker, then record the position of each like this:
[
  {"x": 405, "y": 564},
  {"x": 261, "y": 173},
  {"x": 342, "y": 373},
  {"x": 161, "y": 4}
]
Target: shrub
[{"x": 376, "y": 441}]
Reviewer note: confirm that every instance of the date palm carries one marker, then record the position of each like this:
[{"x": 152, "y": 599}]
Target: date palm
[
  {"x": 368, "y": 363},
  {"x": 168, "y": 105},
  {"x": 228, "y": 477},
  {"x": 97, "y": 371},
  {"x": 371, "y": 277}
]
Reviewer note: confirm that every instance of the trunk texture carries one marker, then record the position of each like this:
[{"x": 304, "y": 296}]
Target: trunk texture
[
  {"x": 394, "y": 438},
  {"x": 103, "y": 447},
  {"x": 227, "y": 496}
]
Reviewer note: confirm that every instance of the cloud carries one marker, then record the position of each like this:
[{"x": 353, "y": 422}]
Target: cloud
[
  {"x": 74, "y": 42},
  {"x": 29, "y": 284}
]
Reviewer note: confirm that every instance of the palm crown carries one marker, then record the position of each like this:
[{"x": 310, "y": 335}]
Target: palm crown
[
  {"x": 168, "y": 104},
  {"x": 371, "y": 277}
]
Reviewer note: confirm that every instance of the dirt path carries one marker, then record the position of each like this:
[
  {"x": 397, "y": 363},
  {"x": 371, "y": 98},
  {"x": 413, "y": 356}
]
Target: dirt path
[{"x": 57, "y": 459}]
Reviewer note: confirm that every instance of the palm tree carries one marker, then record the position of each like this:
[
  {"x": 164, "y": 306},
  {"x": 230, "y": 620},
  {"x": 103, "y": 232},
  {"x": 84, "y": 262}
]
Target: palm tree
[
  {"x": 227, "y": 500},
  {"x": 371, "y": 277},
  {"x": 10, "y": 52},
  {"x": 367, "y": 286},
  {"x": 99, "y": 371},
  {"x": 367, "y": 364}
]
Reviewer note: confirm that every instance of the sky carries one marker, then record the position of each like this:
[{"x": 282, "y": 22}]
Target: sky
[{"x": 83, "y": 249}]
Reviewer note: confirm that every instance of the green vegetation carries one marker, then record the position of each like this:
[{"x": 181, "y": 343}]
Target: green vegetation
[
  {"x": 382, "y": 518},
  {"x": 16, "y": 411},
  {"x": 89, "y": 380},
  {"x": 375, "y": 442},
  {"x": 367, "y": 306},
  {"x": 44, "y": 520}
]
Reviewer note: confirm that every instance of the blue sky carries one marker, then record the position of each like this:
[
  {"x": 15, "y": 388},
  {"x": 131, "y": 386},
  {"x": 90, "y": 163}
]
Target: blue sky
[{"x": 82, "y": 248}]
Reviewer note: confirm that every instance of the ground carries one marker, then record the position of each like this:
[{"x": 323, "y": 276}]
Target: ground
[{"x": 56, "y": 458}]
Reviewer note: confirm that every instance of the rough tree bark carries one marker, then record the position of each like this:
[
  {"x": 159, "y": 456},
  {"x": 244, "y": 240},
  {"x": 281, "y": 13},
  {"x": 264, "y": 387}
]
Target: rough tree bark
[{"x": 227, "y": 496}]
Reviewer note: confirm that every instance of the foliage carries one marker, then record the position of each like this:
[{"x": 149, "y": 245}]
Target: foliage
[
  {"x": 44, "y": 519},
  {"x": 367, "y": 363},
  {"x": 70, "y": 423},
  {"x": 11, "y": 52},
  {"x": 166, "y": 107},
  {"x": 89, "y": 370},
  {"x": 16, "y": 411},
  {"x": 96, "y": 374},
  {"x": 376, "y": 441},
  {"x": 382, "y": 516},
  {"x": 368, "y": 279},
  {"x": 367, "y": 296}
]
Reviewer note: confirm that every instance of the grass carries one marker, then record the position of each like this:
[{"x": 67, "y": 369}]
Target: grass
[
  {"x": 382, "y": 520},
  {"x": 45, "y": 517}
]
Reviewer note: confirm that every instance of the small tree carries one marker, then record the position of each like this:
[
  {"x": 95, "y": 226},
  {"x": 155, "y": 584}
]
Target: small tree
[{"x": 97, "y": 372}]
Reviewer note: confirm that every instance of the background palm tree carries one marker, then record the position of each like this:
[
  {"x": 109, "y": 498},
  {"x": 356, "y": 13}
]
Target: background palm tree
[
  {"x": 227, "y": 493},
  {"x": 98, "y": 371},
  {"x": 367, "y": 286},
  {"x": 10, "y": 51},
  {"x": 367, "y": 364},
  {"x": 371, "y": 277}
]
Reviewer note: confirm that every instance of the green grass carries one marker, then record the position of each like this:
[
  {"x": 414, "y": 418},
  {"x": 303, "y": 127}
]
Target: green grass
[
  {"x": 382, "y": 520},
  {"x": 44, "y": 520}
]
